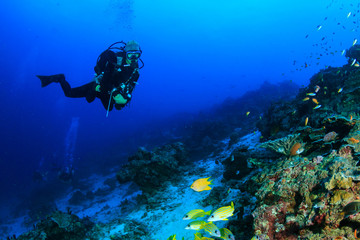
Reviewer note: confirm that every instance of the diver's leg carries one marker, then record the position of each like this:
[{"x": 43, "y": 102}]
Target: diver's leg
[
  {"x": 46, "y": 80},
  {"x": 78, "y": 92}
]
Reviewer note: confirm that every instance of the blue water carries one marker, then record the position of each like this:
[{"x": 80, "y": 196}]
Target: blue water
[{"x": 196, "y": 54}]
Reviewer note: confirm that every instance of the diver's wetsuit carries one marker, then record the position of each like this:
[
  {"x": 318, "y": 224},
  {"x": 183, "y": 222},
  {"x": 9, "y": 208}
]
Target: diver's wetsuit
[{"x": 116, "y": 73}]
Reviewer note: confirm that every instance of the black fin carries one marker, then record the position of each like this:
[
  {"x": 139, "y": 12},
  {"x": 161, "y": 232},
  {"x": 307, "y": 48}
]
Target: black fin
[{"x": 46, "y": 80}]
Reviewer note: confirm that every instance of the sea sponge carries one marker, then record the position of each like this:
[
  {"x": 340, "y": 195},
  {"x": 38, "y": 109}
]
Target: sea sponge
[
  {"x": 339, "y": 181},
  {"x": 341, "y": 196}
]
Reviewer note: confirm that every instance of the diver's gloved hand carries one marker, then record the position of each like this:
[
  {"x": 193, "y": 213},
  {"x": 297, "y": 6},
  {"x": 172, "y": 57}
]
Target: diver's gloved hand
[{"x": 119, "y": 99}]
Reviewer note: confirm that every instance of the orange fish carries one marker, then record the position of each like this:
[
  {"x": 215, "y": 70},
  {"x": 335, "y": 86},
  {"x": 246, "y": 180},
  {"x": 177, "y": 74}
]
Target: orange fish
[
  {"x": 351, "y": 118},
  {"x": 353, "y": 140},
  {"x": 201, "y": 184},
  {"x": 295, "y": 149},
  {"x": 355, "y": 234},
  {"x": 315, "y": 101}
]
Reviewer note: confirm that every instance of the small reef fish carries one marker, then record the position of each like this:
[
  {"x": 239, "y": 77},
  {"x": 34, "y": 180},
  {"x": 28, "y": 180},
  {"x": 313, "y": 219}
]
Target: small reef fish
[
  {"x": 353, "y": 62},
  {"x": 195, "y": 225},
  {"x": 355, "y": 234},
  {"x": 201, "y": 184},
  {"x": 318, "y": 27},
  {"x": 199, "y": 236},
  {"x": 317, "y": 107},
  {"x": 349, "y": 14},
  {"x": 222, "y": 213},
  {"x": 306, "y": 99},
  {"x": 353, "y": 140},
  {"x": 317, "y": 88},
  {"x": 255, "y": 238},
  {"x": 354, "y": 42},
  {"x": 226, "y": 234},
  {"x": 351, "y": 118},
  {"x": 196, "y": 213},
  {"x": 356, "y": 64},
  {"x": 343, "y": 52},
  {"x": 306, "y": 121},
  {"x": 351, "y": 209},
  {"x": 340, "y": 90},
  {"x": 296, "y": 149},
  {"x": 311, "y": 94},
  {"x": 315, "y": 101},
  {"x": 172, "y": 237},
  {"x": 212, "y": 229},
  {"x": 247, "y": 113}
]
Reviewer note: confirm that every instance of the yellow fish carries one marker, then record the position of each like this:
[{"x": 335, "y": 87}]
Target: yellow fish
[
  {"x": 306, "y": 121},
  {"x": 226, "y": 234},
  {"x": 212, "y": 229},
  {"x": 222, "y": 213},
  {"x": 199, "y": 236},
  {"x": 172, "y": 237},
  {"x": 340, "y": 90},
  {"x": 195, "y": 225},
  {"x": 306, "y": 99},
  {"x": 201, "y": 184},
  {"x": 196, "y": 213},
  {"x": 247, "y": 113}
]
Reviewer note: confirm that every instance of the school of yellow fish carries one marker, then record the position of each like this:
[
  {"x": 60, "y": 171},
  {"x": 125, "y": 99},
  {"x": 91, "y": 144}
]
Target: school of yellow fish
[{"x": 221, "y": 214}]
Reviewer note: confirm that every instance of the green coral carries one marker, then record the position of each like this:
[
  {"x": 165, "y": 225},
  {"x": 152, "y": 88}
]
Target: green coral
[{"x": 282, "y": 145}]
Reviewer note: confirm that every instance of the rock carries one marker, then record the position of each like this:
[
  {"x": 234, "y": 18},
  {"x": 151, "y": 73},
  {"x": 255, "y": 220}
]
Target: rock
[
  {"x": 77, "y": 198},
  {"x": 149, "y": 170}
]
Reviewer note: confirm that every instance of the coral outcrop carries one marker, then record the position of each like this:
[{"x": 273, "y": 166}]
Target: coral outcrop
[{"x": 150, "y": 170}]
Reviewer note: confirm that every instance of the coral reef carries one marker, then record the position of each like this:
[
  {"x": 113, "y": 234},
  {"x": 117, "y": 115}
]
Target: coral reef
[
  {"x": 60, "y": 225},
  {"x": 289, "y": 145},
  {"x": 293, "y": 185},
  {"x": 150, "y": 170}
]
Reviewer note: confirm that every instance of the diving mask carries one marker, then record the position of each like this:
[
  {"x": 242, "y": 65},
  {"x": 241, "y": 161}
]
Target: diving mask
[{"x": 133, "y": 55}]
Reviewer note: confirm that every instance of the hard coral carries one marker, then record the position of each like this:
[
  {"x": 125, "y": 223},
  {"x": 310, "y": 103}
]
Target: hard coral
[{"x": 289, "y": 145}]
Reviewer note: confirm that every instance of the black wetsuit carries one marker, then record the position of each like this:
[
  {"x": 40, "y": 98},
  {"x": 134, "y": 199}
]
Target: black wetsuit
[{"x": 118, "y": 77}]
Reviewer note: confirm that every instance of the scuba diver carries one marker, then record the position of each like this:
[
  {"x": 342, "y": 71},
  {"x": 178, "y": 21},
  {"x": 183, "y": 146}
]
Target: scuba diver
[
  {"x": 66, "y": 174},
  {"x": 116, "y": 74}
]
